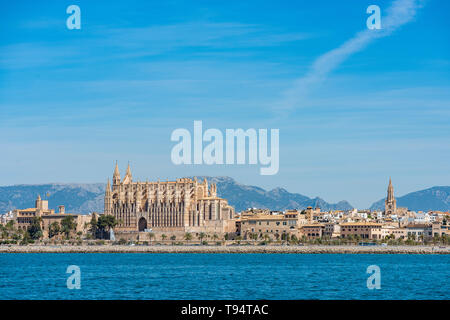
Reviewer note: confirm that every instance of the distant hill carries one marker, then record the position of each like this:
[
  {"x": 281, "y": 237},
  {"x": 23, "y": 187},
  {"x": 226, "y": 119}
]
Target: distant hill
[
  {"x": 85, "y": 198},
  {"x": 77, "y": 198},
  {"x": 435, "y": 198},
  {"x": 244, "y": 196}
]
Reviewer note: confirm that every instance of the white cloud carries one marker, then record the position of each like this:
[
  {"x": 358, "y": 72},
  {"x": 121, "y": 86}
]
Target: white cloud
[{"x": 398, "y": 14}]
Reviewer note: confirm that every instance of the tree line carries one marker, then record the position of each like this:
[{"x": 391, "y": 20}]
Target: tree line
[{"x": 66, "y": 229}]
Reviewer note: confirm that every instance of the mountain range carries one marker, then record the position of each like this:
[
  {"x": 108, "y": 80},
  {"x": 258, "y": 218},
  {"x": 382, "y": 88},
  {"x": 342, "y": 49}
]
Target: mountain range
[
  {"x": 85, "y": 198},
  {"x": 435, "y": 198},
  {"x": 245, "y": 196},
  {"x": 77, "y": 198}
]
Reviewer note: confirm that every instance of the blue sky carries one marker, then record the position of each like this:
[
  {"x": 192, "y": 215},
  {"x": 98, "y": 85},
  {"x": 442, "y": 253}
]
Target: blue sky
[{"x": 72, "y": 102}]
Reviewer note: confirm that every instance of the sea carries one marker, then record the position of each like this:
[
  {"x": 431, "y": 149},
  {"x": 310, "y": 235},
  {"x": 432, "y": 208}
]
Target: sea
[{"x": 106, "y": 276}]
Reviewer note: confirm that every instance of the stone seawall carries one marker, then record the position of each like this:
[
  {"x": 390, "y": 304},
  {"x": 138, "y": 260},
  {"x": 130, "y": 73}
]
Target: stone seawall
[{"x": 224, "y": 249}]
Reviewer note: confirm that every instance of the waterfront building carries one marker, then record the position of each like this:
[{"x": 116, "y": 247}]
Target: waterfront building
[
  {"x": 331, "y": 230},
  {"x": 312, "y": 231},
  {"x": 24, "y": 217},
  {"x": 272, "y": 225},
  {"x": 82, "y": 221},
  {"x": 391, "y": 231},
  {"x": 169, "y": 207},
  {"x": 440, "y": 230},
  {"x": 419, "y": 231},
  {"x": 364, "y": 230}
]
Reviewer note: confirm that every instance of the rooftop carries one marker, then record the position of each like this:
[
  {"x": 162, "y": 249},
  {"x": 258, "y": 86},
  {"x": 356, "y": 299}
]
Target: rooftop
[{"x": 373, "y": 224}]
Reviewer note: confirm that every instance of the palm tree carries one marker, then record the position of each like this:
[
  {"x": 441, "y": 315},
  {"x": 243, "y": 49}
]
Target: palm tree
[
  {"x": 187, "y": 236},
  {"x": 163, "y": 237},
  {"x": 435, "y": 239},
  {"x": 35, "y": 229},
  {"x": 201, "y": 236},
  {"x": 349, "y": 238},
  {"x": 294, "y": 239},
  {"x": 54, "y": 229},
  {"x": 285, "y": 237},
  {"x": 277, "y": 236},
  {"x": 68, "y": 224}
]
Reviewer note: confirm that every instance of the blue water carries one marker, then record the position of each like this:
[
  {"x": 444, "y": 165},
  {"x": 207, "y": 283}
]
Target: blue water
[{"x": 223, "y": 276}]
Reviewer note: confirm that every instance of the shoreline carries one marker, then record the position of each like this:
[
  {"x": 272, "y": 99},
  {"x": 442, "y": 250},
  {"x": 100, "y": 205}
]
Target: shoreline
[{"x": 270, "y": 249}]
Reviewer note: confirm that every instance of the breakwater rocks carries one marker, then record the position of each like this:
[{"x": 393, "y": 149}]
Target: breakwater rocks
[{"x": 307, "y": 249}]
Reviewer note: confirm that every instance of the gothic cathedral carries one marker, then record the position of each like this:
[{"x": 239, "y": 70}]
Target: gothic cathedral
[{"x": 184, "y": 205}]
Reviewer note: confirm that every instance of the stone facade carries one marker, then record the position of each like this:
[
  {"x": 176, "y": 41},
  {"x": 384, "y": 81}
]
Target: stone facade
[
  {"x": 365, "y": 230},
  {"x": 313, "y": 231},
  {"x": 271, "y": 225},
  {"x": 169, "y": 207},
  {"x": 24, "y": 217}
]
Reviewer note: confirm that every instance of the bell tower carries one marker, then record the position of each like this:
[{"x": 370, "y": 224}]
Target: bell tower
[{"x": 390, "y": 204}]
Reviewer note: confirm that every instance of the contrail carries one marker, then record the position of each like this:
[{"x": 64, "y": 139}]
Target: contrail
[{"x": 399, "y": 13}]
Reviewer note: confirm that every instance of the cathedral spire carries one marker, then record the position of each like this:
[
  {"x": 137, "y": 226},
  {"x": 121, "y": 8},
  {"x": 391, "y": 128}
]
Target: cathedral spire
[
  {"x": 116, "y": 176},
  {"x": 116, "y": 170},
  {"x": 128, "y": 173},
  {"x": 128, "y": 177}
]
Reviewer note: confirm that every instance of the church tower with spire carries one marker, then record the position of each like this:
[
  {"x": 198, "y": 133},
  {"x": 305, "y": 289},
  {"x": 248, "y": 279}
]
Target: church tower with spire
[{"x": 390, "y": 204}]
